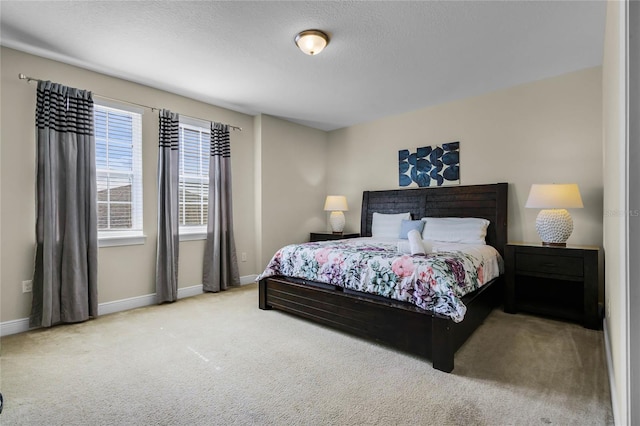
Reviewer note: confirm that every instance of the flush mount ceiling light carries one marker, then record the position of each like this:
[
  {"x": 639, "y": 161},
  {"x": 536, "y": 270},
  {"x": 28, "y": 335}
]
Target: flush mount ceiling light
[{"x": 312, "y": 42}]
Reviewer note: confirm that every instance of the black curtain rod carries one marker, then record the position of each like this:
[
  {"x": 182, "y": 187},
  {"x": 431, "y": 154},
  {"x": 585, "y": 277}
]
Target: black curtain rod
[{"x": 30, "y": 79}]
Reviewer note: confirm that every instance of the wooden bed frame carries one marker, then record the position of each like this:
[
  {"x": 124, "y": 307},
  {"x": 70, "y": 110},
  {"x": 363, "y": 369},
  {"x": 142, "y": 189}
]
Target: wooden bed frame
[{"x": 398, "y": 324}]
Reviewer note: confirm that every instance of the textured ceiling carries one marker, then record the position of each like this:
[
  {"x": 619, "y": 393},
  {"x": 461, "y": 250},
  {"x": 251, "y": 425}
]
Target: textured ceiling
[{"x": 384, "y": 58}]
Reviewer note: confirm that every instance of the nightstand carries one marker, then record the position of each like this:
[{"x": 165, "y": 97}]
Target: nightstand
[
  {"x": 562, "y": 282},
  {"x": 325, "y": 236}
]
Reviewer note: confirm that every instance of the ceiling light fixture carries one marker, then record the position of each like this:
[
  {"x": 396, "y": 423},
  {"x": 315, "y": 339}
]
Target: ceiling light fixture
[{"x": 312, "y": 42}]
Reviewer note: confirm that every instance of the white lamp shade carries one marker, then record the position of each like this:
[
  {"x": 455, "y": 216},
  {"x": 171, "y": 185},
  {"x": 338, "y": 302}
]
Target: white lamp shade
[
  {"x": 554, "y": 196},
  {"x": 312, "y": 42},
  {"x": 335, "y": 203}
]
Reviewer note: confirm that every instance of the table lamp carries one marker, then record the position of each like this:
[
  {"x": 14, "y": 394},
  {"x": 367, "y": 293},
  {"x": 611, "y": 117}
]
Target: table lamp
[
  {"x": 336, "y": 204},
  {"x": 554, "y": 223}
]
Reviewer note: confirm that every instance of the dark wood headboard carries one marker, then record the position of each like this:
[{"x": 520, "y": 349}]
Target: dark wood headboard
[{"x": 484, "y": 201}]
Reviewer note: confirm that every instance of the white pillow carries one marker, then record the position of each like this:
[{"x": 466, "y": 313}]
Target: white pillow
[
  {"x": 388, "y": 225},
  {"x": 467, "y": 230}
]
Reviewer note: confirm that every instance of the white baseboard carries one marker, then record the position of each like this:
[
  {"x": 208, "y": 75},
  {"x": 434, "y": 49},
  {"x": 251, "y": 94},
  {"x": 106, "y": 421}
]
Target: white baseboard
[
  {"x": 126, "y": 304},
  {"x": 22, "y": 325},
  {"x": 14, "y": 326},
  {"x": 248, "y": 279},
  {"x": 610, "y": 372}
]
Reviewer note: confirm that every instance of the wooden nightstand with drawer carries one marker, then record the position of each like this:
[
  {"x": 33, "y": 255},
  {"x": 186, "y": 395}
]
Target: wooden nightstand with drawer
[{"x": 562, "y": 282}]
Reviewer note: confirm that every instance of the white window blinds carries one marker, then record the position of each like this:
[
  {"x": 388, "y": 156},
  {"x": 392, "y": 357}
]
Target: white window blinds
[
  {"x": 194, "y": 176},
  {"x": 118, "y": 170}
]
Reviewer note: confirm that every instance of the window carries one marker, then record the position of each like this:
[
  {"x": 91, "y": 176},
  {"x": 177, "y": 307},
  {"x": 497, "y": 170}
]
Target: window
[
  {"x": 118, "y": 173},
  {"x": 195, "y": 140}
]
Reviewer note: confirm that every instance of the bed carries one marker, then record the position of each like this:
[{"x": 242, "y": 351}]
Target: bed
[{"x": 399, "y": 324}]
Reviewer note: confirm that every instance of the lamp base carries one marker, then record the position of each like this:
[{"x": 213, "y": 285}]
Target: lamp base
[
  {"x": 337, "y": 221},
  {"x": 554, "y": 244},
  {"x": 554, "y": 227}
]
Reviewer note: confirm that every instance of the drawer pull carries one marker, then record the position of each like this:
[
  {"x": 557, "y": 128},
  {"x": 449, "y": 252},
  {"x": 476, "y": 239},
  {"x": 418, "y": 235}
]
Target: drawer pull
[{"x": 553, "y": 265}]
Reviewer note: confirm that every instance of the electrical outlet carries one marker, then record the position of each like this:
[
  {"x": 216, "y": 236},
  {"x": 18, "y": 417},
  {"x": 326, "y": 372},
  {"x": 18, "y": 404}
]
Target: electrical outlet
[
  {"x": 243, "y": 257},
  {"x": 27, "y": 286}
]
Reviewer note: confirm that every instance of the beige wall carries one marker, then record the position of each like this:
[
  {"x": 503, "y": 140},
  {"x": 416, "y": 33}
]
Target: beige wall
[
  {"x": 128, "y": 271},
  {"x": 615, "y": 205},
  {"x": 292, "y": 185},
  {"x": 542, "y": 132},
  {"x": 633, "y": 157}
]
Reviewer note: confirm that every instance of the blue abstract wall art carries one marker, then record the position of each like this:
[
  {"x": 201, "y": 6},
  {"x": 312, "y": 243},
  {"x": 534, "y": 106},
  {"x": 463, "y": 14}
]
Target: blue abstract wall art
[{"x": 437, "y": 165}]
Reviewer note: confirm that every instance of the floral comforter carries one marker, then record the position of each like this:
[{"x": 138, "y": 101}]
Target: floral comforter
[{"x": 434, "y": 282}]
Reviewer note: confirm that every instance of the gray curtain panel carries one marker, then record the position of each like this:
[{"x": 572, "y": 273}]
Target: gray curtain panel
[
  {"x": 168, "y": 237},
  {"x": 65, "y": 276},
  {"x": 220, "y": 261}
]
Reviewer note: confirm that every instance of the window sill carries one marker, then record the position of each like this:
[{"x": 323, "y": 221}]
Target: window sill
[
  {"x": 121, "y": 240},
  {"x": 193, "y": 236}
]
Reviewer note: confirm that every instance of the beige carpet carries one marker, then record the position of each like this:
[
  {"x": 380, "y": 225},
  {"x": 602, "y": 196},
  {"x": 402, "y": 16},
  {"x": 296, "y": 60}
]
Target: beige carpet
[{"x": 217, "y": 359}]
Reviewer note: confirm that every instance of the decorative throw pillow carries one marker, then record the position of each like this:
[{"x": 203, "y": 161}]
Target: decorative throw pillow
[
  {"x": 404, "y": 246},
  {"x": 408, "y": 225},
  {"x": 415, "y": 242},
  {"x": 387, "y": 225},
  {"x": 467, "y": 230}
]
